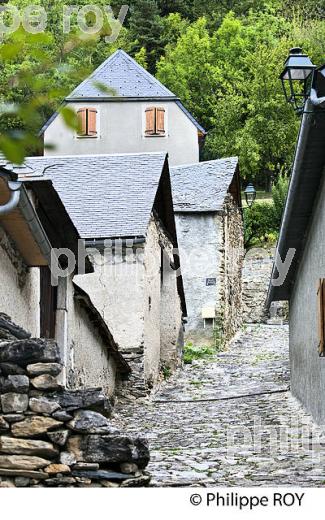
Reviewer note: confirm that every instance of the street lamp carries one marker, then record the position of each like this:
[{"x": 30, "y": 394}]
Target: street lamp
[
  {"x": 297, "y": 78},
  {"x": 250, "y": 195}
]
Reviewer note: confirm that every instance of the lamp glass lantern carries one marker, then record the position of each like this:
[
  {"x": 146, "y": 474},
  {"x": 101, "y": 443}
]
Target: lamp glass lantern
[
  {"x": 250, "y": 195},
  {"x": 297, "y": 78}
]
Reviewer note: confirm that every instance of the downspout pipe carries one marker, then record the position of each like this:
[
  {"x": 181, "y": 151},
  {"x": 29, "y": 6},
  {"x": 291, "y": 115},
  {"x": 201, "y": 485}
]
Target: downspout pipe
[
  {"x": 34, "y": 224},
  {"x": 19, "y": 199},
  {"x": 316, "y": 101},
  {"x": 291, "y": 200},
  {"x": 15, "y": 193}
]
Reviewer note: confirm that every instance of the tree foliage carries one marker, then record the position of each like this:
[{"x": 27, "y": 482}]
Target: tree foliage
[{"x": 222, "y": 59}]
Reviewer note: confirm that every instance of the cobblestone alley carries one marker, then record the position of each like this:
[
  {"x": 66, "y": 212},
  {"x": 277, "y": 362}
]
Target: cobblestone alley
[{"x": 200, "y": 425}]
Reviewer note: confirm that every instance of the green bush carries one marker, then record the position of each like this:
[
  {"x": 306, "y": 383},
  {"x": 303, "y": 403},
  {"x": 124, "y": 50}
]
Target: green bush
[
  {"x": 192, "y": 353},
  {"x": 263, "y": 219},
  {"x": 279, "y": 194},
  {"x": 259, "y": 224}
]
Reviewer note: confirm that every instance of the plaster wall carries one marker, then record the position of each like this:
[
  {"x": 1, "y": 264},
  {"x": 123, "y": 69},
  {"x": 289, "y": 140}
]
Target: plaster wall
[
  {"x": 307, "y": 368},
  {"x": 87, "y": 361},
  {"x": 121, "y": 127},
  {"x": 19, "y": 287},
  {"x": 200, "y": 237}
]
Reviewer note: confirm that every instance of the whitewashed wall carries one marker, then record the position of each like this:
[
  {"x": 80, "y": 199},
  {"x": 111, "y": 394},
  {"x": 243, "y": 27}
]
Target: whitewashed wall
[
  {"x": 19, "y": 287},
  {"x": 121, "y": 130}
]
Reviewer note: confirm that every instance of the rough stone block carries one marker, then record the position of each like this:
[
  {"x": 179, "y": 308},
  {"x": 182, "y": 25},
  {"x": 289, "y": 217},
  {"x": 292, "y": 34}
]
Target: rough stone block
[
  {"x": 59, "y": 437},
  {"x": 43, "y": 405},
  {"x": 14, "y": 446},
  {"x": 17, "y": 384},
  {"x": 14, "y": 417},
  {"x": 67, "y": 459},
  {"x": 62, "y": 415},
  {"x": 109, "y": 449},
  {"x": 92, "y": 399},
  {"x": 33, "y": 426},
  {"x": 54, "y": 469},
  {"x": 37, "y": 475},
  {"x": 4, "y": 426},
  {"x": 27, "y": 351},
  {"x": 38, "y": 369},
  {"x": 22, "y": 462},
  {"x": 10, "y": 369},
  {"x": 7, "y": 324},
  {"x": 101, "y": 475},
  {"x": 14, "y": 402},
  {"x": 90, "y": 422},
  {"x": 46, "y": 382}
]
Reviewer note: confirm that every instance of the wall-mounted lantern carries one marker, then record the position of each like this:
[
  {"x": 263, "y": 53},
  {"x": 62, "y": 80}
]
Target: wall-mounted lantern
[
  {"x": 250, "y": 195},
  {"x": 297, "y": 78}
]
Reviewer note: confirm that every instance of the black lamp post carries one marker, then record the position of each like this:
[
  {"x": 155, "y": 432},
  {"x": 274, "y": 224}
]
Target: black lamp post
[
  {"x": 250, "y": 195},
  {"x": 297, "y": 78}
]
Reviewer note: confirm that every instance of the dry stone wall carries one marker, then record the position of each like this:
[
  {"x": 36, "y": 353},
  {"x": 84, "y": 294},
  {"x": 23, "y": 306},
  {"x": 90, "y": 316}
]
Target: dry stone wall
[
  {"x": 54, "y": 437},
  {"x": 256, "y": 279}
]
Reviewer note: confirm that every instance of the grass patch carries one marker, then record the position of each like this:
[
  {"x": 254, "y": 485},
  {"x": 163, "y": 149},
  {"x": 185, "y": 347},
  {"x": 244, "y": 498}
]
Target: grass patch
[
  {"x": 193, "y": 353},
  {"x": 196, "y": 383}
]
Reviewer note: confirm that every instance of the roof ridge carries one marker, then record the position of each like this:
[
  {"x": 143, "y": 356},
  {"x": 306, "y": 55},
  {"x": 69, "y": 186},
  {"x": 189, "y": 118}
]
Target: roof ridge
[
  {"x": 128, "y": 60},
  {"x": 202, "y": 163},
  {"x": 129, "y": 154}
]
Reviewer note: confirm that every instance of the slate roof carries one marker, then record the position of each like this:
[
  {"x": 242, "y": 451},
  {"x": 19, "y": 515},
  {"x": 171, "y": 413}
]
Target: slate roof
[
  {"x": 125, "y": 76},
  {"x": 202, "y": 187},
  {"x": 106, "y": 196},
  {"x": 126, "y": 79}
]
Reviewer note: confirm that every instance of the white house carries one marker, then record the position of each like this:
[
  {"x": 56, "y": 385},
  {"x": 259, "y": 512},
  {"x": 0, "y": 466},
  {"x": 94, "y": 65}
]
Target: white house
[
  {"x": 124, "y": 109},
  {"x": 122, "y": 207},
  {"x": 32, "y": 223},
  {"x": 209, "y": 222}
]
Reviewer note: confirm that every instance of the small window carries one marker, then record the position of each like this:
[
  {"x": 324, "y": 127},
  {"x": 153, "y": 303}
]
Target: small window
[
  {"x": 321, "y": 316},
  {"x": 155, "y": 121},
  {"x": 87, "y": 122}
]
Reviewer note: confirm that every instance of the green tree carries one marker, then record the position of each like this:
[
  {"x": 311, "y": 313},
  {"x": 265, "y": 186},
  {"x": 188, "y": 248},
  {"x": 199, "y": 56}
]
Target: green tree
[{"x": 146, "y": 30}]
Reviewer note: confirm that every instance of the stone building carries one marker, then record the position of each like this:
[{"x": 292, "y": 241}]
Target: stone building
[
  {"x": 122, "y": 206},
  {"x": 134, "y": 113},
  {"x": 302, "y": 243},
  {"x": 32, "y": 223},
  {"x": 51, "y": 436},
  {"x": 207, "y": 204}
]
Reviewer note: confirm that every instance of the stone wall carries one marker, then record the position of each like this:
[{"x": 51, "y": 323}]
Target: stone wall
[
  {"x": 171, "y": 314},
  {"x": 211, "y": 247},
  {"x": 87, "y": 366},
  {"x": 142, "y": 312},
  {"x": 53, "y": 437},
  {"x": 256, "y": 278},
  {"x": 201, "y": 245},
  {"x": 19, "y": 286}
]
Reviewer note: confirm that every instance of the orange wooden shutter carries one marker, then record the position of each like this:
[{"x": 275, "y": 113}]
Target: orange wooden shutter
[
  {"x": 150, "y": 121},
  {"x": 82, "y": 121},
  {"x": 92, "y": 121},
  {"x": 321, "y": 316},
  {"x": 160, "y": 121}
]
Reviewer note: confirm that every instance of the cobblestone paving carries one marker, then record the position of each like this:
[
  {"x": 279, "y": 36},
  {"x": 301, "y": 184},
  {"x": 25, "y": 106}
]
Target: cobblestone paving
[{"x": 220, "y": 420}]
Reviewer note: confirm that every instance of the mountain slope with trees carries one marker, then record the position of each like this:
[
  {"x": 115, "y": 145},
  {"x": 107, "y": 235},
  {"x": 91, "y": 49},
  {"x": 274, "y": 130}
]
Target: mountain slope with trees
[{"x": 222, "y": 59}]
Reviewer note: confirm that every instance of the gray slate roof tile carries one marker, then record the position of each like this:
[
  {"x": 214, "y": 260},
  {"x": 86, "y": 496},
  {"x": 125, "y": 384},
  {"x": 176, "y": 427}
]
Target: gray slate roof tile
[
  {"x": 203, "y": 186},
  {"x": 125, "y": 76},
  {"x": 106, "y": 196}
]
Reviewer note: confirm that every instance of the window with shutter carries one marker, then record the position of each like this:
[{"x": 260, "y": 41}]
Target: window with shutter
[
  {"x": 160, "y": 121},
  {"x": 87, "y": 122},
  {"x": 155, "y": 121},
  {"x": 321, "y": 316},
  {"x": 150, "y": 121},
  {"x": 92, "y": 120},
  {"x": 82, "y": 121}
]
